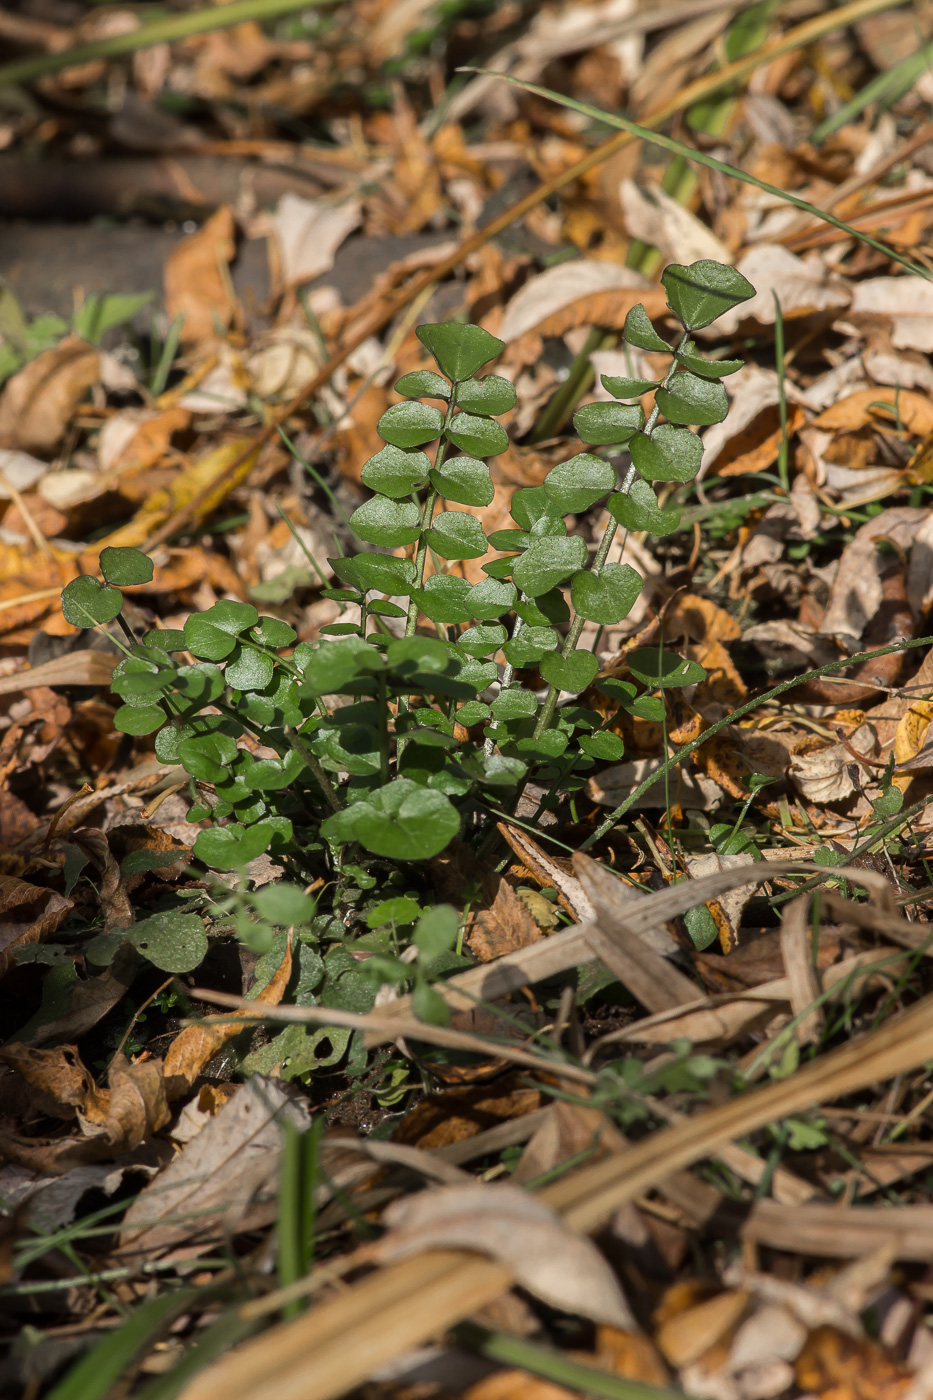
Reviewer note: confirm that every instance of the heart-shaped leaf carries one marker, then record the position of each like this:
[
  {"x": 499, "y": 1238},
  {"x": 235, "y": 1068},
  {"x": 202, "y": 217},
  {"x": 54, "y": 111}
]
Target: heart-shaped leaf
[
  {"x": 170, "y": 940},
  {"x": 423, "y": 384},
  {"x": 572, "y": 673},
  {"x": 249, "y": 669},
  {"x": 639, "y": 331},
  {"x": 460, "y": 350},
  {"x": 608, "y": 598},
  {"x": 233, "y": 847},
  {"x": 481, "y": 437},
  {"x": 608, "y": 748},
  {"x": 669, "y": 454},
  {"x": 88, "y": 603},
  {"x": 575, "y": 485},
  {"x": 138, "y": 719},
  {"x": 514, "y": 704},
  {"x": 212, "y": 635},
  {"x": 547, "y": 562},
  {"x": 410, "y": 424},
  {"x": 690, "y": 399},
  {"x": 376, "y": 573},
  {"x": 482, "y": 640},
  {"x": 608, "y": 423},
  {"x": 464, "y": 480},
  {"x": 125, "y": 567},
  {"x": 487, "y": 396},
  {"x": 445, "y": 599},
  {"x": 528, "y": 646},
  {"x": 659, "y": 669},
  {"x": 395, "y": 473},
  {"x": 490, "y": 598},
  {"x": 454, "y": 534},
  {"x": 700, "y": 293},
  {"x": 401, "y": 821},
  {"x": 639, "y": 510},
  {"x": 386, "y": 523}
]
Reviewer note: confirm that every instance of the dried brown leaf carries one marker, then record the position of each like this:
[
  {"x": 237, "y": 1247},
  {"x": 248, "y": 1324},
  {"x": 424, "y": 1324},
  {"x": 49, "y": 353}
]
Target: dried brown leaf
[
  {"x": 37, "y": 403},
  {"x": 197, "y": 284},
  {"x": 28, "y": 914}
]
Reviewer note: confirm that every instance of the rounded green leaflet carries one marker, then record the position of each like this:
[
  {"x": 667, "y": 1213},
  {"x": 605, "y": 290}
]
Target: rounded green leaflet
[
  {"x": 706, "y": 369},
  {"x": 669, "y": 454},
  {"x": 626, "y": 388},
  {"x": 529, "y": 645},
  {"x": 547, "y": 562},
  {"x": 575, "y": 485},
  {"x": 482, "y": 640},
  {"x": 700, "y": 293},
  {"x": 272, "y": 632},
  {"x": 125, "y": 567},
  {"x": 232, "y": 847},
  {"x": 212, "y": 635},
  {"x": 658, "y": 669},
  {"x": 249, "y": 669},
  {"x": 444, "y": 599},
  {"x": 284, "y": 904},
  {"x": 608, "y": 597},
  {"x": 480, "y": 437},
  {"x": 408, "y": 655},
  {"x": 423, "y": 384},
  {"x": 379, "y": 573},
  {"x": 490, "y": 598},
  {"x": 138, "y": 719},
  {"x": 509, "y": 539},
  {"x": 328, "y": 666},
  {"x": 639, "y": 331},
  {"x": 403, "y": 821},
  {"x": 386, "y": 523},
  {"x": 139, "y": 682},
  {"x": 464, "y": 480},
  {"x": 460, "y": 350},
  {"x": 551, "y": 744},
  {"x": 393, "y": 472},
  {"x": 608, "y": 424},
  {"x": 171, "y": 941},
  {"x": 199, "y": 685},
  {"x": 401, "y": 909},
  {"x": 88, "y": 603},
  {"x": 531, "y": 504},
  {"x": 500, "y": 568},
  {"x": 486, "y": 396},
  {"x": 455, "y": 534},
  {"x": 638, "y": 509},
  {"x": 514, "y": 704},
  {"x": 572, "y": 673},
  {"x": 608, "y": 748},
  {"x": 208, "y": 756},
  {"x": 410, "y": 424},
  {"x": 690, "y": 399}
]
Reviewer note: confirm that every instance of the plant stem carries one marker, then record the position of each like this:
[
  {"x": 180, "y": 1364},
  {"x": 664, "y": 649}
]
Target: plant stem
[
  {"x": 573, "y": 388},
  {"x": 318, "y": 772},
  {"x": 508, "y": 675},
  {"x": 676, "y": 758},
  {"x": 546, "y": 717}
]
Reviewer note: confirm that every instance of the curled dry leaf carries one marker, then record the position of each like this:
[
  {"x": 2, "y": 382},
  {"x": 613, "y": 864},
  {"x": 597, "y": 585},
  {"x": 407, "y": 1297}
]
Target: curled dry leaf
[
  {"x": 562, "y": 1269},
  {"x": 554, "y": 301},
  {"x": 858, "y": 590},
  {"x": 821, "y": 771},
  {"x": 197, "y": 284},
  {"x": 28, "y": 914},
  {"x": 503, "y": 927},
  {"x": 905, "y": 304},
  {"x": 658, "y": 220},
  {"x": 37, "y": 403},
  {"x": 801, "y": 285},
  {"x": 208, "y": 1186}
]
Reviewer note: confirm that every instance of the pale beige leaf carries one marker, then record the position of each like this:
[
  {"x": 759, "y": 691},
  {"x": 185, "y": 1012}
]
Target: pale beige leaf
[
  {"x": 309, "y": 232},
  {"x": 516, "y": 1230},
  {"x": 658, "y": 220},
  {"x": 559, "y": 287},
  {"x": 906, "y": 303},
  {"x": 802, "y": 286}
]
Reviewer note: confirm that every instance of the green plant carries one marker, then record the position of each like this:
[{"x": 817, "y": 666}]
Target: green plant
[
  {"x": 22, "y": 340},
  {"x": 383, "y": 769}
]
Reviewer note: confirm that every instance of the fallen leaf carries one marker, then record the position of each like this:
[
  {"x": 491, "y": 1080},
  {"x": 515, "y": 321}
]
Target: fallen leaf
[
  {"x": 905, "y": 304},
  {"x": 453, "y": 1115},
  {"x": 685, "y": 1335},
  {"x": 502, "y": 926},
  {"x": 657, "y": 219},
  {"x": 60, "y": 1076},
  {"x": 563, "y": 296},
  {"x": 206, "y": 1189},
  {"x": 197, "y": 283},
  {"x": 821, "y": 771},
  {"x": 27, "y": 915},
  {"x": 857, "y": 590},
  {"x": 308, "y": 233},
  {"x": 802, "y": 286},
  {"x": 37, "y": 403},
  {"x": 562, "y": 1269},
  {"x": 833, "y": 1364},
  {"x": 880, "y": 408}
]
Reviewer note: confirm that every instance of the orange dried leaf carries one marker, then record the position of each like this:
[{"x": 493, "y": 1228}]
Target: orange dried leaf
[{"x": 197, "y": 284}]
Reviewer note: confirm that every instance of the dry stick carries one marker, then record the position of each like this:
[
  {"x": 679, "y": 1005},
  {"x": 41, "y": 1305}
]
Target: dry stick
[
  {"x": 799, "y": 37},
  {"x": 343, "y": 1341}
]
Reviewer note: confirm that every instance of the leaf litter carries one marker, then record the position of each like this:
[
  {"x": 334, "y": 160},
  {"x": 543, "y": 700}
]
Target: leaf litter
[{"x": 679, "y": 1170}]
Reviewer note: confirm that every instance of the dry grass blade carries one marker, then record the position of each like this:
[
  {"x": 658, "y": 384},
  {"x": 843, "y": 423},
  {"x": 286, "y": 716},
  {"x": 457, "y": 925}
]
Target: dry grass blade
[
  {"x": 87, "y": 667},
  {"x": 842, "y": 1232},
  {"x": 343, "y": 1341}
]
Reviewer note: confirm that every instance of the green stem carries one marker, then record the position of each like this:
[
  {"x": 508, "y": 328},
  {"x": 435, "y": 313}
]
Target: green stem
[
  {"x": 676, "y": 758},
  {"x": 383, "y": 729},
  {"x": 159, "y": 31},
  {"x": 546, "y": 717},
  {"x": 318, "y": 772}
]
